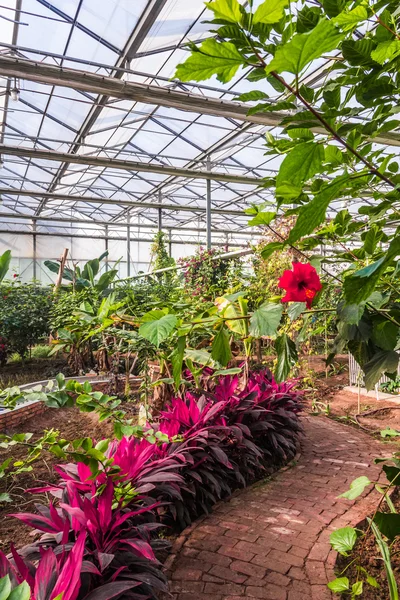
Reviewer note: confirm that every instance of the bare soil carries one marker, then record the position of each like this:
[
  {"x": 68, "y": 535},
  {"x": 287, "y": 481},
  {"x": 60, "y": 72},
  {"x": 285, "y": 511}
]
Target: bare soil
[
  {"x": 72, "y": 424},
  {"x": 31, "y": 370}
]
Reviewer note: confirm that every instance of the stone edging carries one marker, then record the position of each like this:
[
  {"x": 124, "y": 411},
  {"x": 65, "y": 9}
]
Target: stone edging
[{"x": 181, "y": 539}]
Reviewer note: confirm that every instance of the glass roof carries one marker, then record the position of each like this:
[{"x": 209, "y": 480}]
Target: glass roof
[{"x": 140, "y": 41}]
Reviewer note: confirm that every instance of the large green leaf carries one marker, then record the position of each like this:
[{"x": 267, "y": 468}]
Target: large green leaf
[
  {"x": 5, "y": 260},
  {"x": 265, "y": 320},
  {"x": 226, "y": 10},
  {"x": 221, "y": 349},
  {"x": 348, "y": 20},
  {"x": 386, "y": 51},
  {"x": 372, "y": 238},
  {"x": 54, "y": 267},
  {"x": 358, "y": 53},
  {"x": 201, "y": 357},
  {"x": 302, "y": 163},
  {"x": 357, "y": 487},
  {"x": 295, "y": 309},
  {"x": 262, "y": 218},
  {"x": 21, "y": 592},
  {"x": 212, "y": 58},
  {"x": 159, "y": 329},
  {"x": 339, "y": 585},
  {"x": 343, "y": 540},
  {"x": 287, "y": 356},
  {"x": 5, "y": 587},
  {"x": 360, "y": 285},
  {"x": 333, "y": 7},
  {"x": 388, "y": 523},
  {"x": 312, "y": 214},
  {"x": 270, "y": 11},
  {"x": 303, "y": 48},
  {"x": 382, "y": 362},
  {"x": 384, "y": 333}
]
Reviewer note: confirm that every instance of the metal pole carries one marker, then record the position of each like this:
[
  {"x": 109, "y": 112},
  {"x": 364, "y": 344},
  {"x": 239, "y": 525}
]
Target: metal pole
[
  {"x": 208, "y": 206},
  {"x": 170, "y": 243},
  {"x": 128, "y": 246},
  {"x": 160, "y": 211},
  {"x": 34, "y": 249},
  {"x": 106, "y": 245}
]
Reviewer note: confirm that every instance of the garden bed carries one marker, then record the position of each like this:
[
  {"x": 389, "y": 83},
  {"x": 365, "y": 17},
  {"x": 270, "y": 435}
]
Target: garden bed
[
  {"x": 371, "y": 561},
  {"x": 72, "y": 424}
]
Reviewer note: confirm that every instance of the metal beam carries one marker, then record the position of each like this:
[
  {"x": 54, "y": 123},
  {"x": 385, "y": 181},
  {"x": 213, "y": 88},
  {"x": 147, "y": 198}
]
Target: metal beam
[
  {"x": 101, "y": 237},
  {"x": 126, "y": 165},
  {"x": 130, "y": 203},
  {"x": 139, "y": 34},
  {"x": 148, "y": 94},
  {"x": 208, "y": 207},
  {"x": 116, "y": 224}
]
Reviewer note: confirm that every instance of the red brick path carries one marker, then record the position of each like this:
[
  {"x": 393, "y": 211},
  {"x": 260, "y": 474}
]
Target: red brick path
[{"x": 271, "y": 541}]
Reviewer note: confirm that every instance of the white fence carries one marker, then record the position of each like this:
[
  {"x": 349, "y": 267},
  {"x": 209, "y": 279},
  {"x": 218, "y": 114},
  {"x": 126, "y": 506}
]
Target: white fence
[{"x": 356, "y": 375}]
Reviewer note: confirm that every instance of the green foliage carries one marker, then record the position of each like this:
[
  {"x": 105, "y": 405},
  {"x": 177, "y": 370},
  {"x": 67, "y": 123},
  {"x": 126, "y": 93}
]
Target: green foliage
[
  {"x": 343, "y": 540},
  {"x": 24, "y": 315},
  {"x": 5, "y": 260},
  {"x": 159, "y": 256},
  {"x": 282, "y": 44},
  {"x": 67, "y": 302},
  {"x": 206, "y": 276},
  {"x": 86, "y": 277}
]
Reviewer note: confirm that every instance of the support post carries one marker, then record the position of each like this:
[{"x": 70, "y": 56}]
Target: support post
[
  {"x": 208, "y": 207},
  {"x": 160, "y": 211},
  {"x": 34, "y": 239},
  {"x": 128, "y": 246},
  {"x": 170, "y": 243},
  {"x": 106, "y": 245},
  {"x": 61, "y": 270}
]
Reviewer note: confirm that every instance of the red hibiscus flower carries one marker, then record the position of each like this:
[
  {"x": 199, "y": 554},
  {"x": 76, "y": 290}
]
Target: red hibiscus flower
[{"x": 301, "y": 284}]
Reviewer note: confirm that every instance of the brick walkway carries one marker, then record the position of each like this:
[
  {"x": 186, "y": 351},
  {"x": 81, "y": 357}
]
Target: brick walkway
[{"x": 271, "y": 541}]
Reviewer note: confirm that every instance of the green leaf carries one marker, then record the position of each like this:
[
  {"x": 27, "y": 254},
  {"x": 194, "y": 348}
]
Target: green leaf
[
  {"x": 158, "y": 330},
  {"x": 295, "y": 309},
  {"x": 252, "y": 96},
  {"x": 270, "y": 248},
  {"x": 177, "y": 360},
  {"x": 303, "y": 48},
  {"x": 348, "y": 20},
  {"x": 312, "y": 214},
  {"x": 386, "y": 51},
  {"x": 265, "y": 320},
  {"x": 385, "y": 551},
  {"x": 212, "y": 58},
  {"x": 372, "y": 238},
  {"x": 357, "y": 589},
  {"x": 356, "y": 488},
  {"x": 350, "y": 313},
  {"x": 5, "y": 587},
  {"x": 302, "y": 163},
  {"x": 358, "y": 53},
  {"x": 388, "y": 523},
  {"x": 389, "y": 432},
  {"x": 360, "y": 285},
  {"x": 5, "y": 260},
  {"x": 221, "y": 349},
  {"x": 270, "y": 11},
  {"x": 262, "y": 218},
  {"x": 287, "y": 356},
  {"x": 372, "y": 581},
  {"x": 385, "y": 361},
  {"x": 384, "y": 333},
  {"x": 223, "y": 372},
  {"x": 333, "y": 7},
  {"x": 332, "y": 98},
  {"x": 201, "y": 357},
  {"x": 339, "y": 585},
  {"x": 226, "y": 10},
  {"x": 343, "y": 540},
  {"x": 21, "y": 592},
  {"x": 307, "y": 19},
  {"x": 4, "y": 497}
]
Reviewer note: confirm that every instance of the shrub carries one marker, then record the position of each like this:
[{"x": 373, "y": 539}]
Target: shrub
[
  {"x": 204, "y": 446},
  {"x": 24, "y": 315},
  {"x": 67, "y": 302}
]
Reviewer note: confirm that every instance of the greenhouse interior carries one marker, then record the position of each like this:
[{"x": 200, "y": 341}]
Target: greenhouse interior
[{"x": 199, "y": 299}]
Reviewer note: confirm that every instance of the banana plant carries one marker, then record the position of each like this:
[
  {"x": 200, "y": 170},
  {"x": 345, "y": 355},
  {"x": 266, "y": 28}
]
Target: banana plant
[{"x": 86, "y": 277}]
